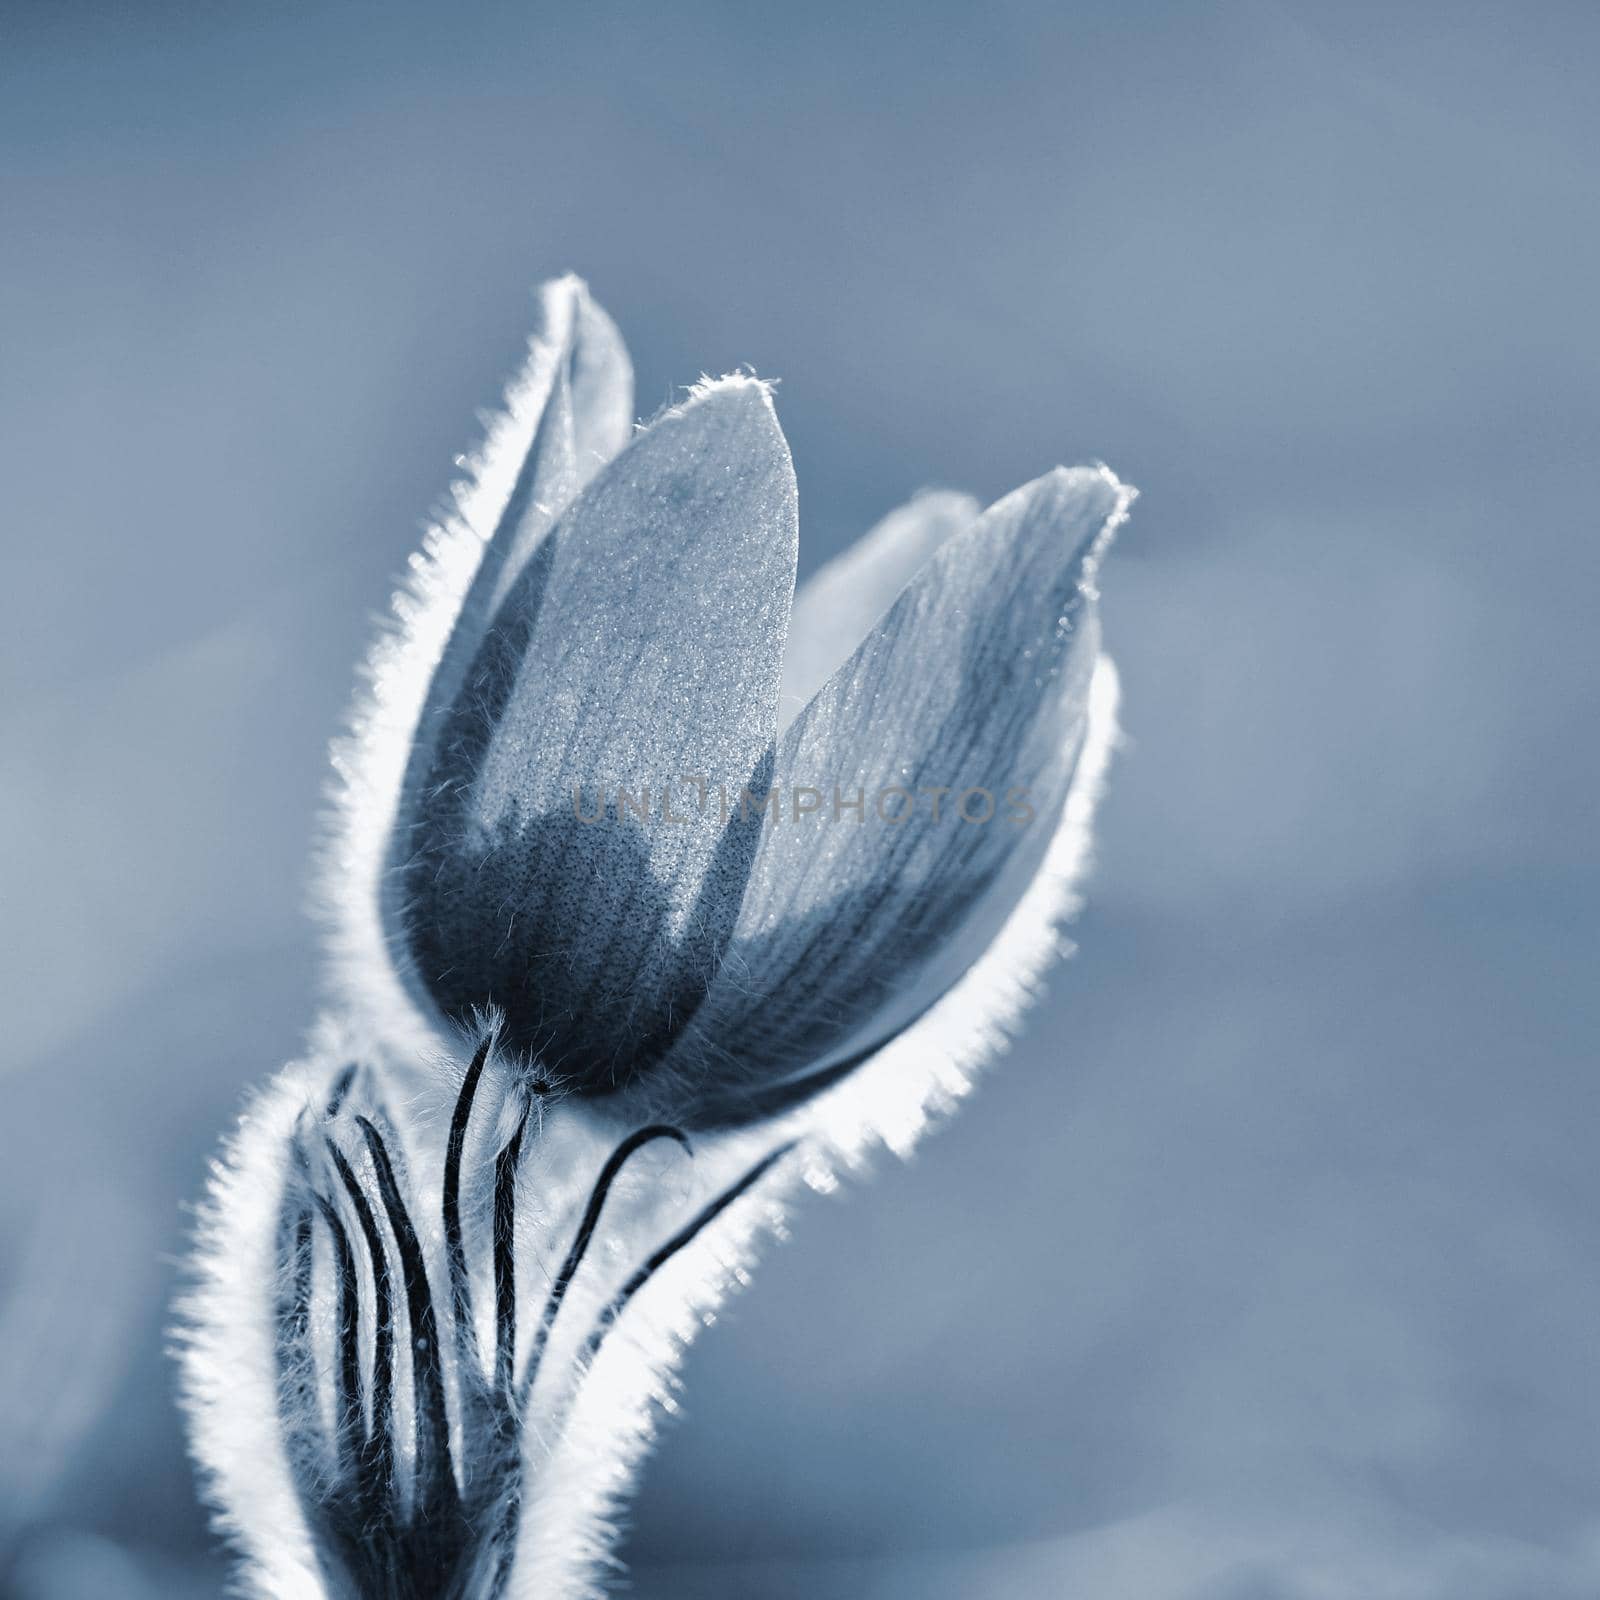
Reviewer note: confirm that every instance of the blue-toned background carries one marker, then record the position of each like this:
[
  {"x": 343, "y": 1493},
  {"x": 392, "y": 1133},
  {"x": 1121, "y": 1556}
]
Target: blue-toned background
[{"x": 1268, "y": 1268}]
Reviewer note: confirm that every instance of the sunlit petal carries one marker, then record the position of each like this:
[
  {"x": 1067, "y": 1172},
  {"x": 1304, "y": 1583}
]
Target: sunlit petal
[
  {"x": 566, "y": 413},
  {"x": 561, "y": 867},
  {"x": 837, "y": 606},
  {"x": 919, "y": 792}
]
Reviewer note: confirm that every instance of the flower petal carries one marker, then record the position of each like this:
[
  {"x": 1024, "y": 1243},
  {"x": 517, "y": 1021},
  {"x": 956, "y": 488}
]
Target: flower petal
[
  {"x": 638, "y": 651},
  {"x": 971, "y": 694},
  {"x": 841, "y": 601},
  {"x": 587, "y": 420},
  {"x": 565, "y": 413},
  {"x": 583, "y": 422}
]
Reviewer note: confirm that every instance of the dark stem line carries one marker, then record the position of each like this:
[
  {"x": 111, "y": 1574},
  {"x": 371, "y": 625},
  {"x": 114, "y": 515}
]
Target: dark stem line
[
  {"x": 435, "y": 1480},
  {"x": 455, "y": 1249},
  {"x": 378, "y": 1445},
  {"x": 580, "y": 1244},
  {"x": 505, "y": 1264},
  {"x": 684, "y": 1237},
  {"x": 341, "y": 1087}
]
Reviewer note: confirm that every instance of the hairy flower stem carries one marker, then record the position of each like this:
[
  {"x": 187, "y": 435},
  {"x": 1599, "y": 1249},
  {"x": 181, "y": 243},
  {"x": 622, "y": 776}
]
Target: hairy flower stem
[{"x": 407, "y": 1523}]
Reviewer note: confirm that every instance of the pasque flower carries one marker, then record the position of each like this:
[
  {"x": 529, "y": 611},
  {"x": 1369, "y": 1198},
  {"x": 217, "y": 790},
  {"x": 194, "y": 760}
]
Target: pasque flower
[{"x": 654, "y": 889}]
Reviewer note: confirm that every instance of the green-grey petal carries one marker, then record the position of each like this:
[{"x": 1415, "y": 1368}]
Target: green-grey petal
[
  {"x": 838, "y": 604},
  {"x": 563, "y": 869},
  {"x": 975, "y": 684}
]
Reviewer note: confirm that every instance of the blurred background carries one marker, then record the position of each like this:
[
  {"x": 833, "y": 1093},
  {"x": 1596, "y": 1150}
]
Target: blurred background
[{"x": 1268, "y": 1266}]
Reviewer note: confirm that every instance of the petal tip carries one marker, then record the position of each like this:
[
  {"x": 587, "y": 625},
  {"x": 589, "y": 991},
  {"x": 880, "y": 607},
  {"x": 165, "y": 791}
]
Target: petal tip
[
  {"x": 1096, "y": 494},
  {"x": 569, "y": 287},
  {"x": 559, "y": 299},
  {"x": 569, "y": 313},
  {"x": 1125, "y": 493},
  {"x": 732, "y": 388},
  {"x": 1085, "y": 479},
  {"x": 739, "y": 409}
]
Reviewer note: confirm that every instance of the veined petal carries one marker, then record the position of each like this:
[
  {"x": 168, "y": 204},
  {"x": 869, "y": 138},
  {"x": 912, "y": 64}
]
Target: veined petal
[
  {"x": 566, "y": 413},
  {"x": 587, "y": 420},
  {"x": 971, "y": 694},
  {"x": 583, "y": 423},
  {"x": 562, "y": 867},
  {"x": 840, "y": 602}
]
